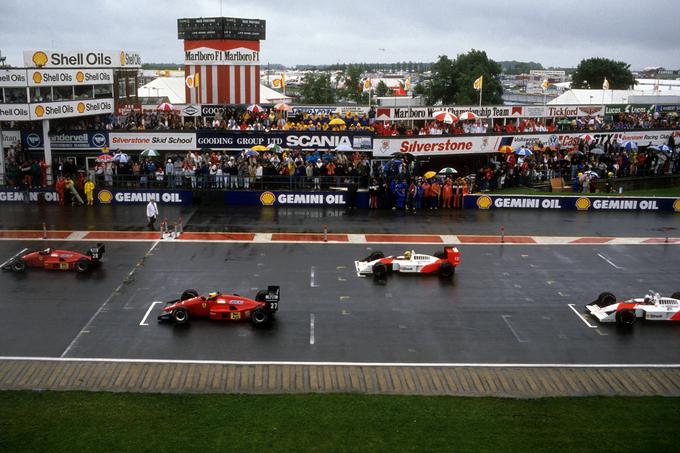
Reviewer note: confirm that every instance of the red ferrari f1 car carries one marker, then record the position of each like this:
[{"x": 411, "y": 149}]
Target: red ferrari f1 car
[
  {"x": 49, "y": 258},
  {"x": 223, "y": 307}
]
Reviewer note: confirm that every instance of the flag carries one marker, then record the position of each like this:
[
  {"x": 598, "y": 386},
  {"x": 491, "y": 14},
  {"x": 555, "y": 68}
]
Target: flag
[
  {"x": 280, "y": 82},
  {"x": 605, "y": 84},
  {"x": 407, "y": 85},
  {"x": 367, "y": 84},
  {"x": 545, "y": 84},
  {"x": 478, "y": 83}
]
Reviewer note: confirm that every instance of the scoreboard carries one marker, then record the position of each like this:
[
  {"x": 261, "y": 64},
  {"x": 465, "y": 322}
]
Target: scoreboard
[{"x": 221, "y": 28}]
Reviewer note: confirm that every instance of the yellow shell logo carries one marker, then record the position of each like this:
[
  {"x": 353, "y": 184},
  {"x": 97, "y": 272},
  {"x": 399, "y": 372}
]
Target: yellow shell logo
[
  {"x": 122, "y": 58},
  {"x": 105, "y": 196},
  {"x": 582, "y": 204},
  {"x": 39, "y": 110},
  {"x": 37, "y": 77},
  {"x": 81, "y": 107},
  {"x": 484, "y": 202},
  {"x": 676, "y": 205},
  {"x": 80, "y": 76},
  {"x": 39, "y": 58},
  {"x": 267, "y": 198}
]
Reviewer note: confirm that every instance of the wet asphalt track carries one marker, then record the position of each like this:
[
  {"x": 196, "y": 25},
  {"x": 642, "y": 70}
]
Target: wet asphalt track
[{"x": 506, "y": 304}]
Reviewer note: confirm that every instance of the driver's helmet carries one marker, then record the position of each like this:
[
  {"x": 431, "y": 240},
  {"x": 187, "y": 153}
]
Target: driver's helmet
[
  {"x": 648, "y": 299},
  {"x": 212, "y": 295},
  {"x": 407, "y": 254}
]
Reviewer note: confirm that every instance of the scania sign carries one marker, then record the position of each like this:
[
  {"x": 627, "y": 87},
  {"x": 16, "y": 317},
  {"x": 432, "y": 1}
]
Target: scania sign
[{"x": 287, "y": 139}]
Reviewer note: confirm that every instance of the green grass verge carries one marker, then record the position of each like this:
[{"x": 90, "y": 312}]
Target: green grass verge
[
  {"x": 664, "y": 192},
  {"x": 80, "y": 421}
]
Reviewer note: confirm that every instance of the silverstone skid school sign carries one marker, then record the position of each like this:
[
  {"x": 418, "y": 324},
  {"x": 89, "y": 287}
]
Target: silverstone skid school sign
[
  {"x": 571, "y": 203},
  {"x": 156, "y": 140},
  {"x": 286, "y": 139}
]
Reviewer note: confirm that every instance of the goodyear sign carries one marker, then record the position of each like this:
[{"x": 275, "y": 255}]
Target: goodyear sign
[
  {"x": 115, "y": 196},
  {"x": 573, "y": 203}
]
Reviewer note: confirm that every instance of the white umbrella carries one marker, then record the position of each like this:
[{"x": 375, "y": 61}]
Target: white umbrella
[
  {"x": 121, "y": 158},
  {"x": 165, "y": 107},
  {"x": 629, "y": 145},
  {"x": 344, "y": 147},
  {"x": 467, "y": 116},
  {"x": 445, "y": 117},
  {"x": 596, "y": 151},
  {"x": 255, "y": 108}
]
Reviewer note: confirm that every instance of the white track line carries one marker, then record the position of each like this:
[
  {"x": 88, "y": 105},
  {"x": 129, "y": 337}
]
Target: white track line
[
  {"x": 505, "y": 318},
  {"x": 85, "y": 328},
  {"x": 608, "y": 260},
  {"x": 581, "y": 316},
  {"x": 312, "y": 278},
  {"x": 375, "y": 364},
  {"x": 146, "y": 315},
  {"x": 311, "y": 328}
]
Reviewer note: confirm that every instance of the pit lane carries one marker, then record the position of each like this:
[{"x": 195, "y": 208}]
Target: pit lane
[{"x": 505, "y": 305}]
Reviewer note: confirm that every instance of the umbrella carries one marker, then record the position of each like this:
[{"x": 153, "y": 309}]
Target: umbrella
[
  {"x": 150, "y": 153},
  {"x": 337, "y": 122},
  {"x": 283, "y": 107},
  {"x": 662, "y": 148},
  {"x": 597, "y": 151},
  {"x": 165, "y": 107},
  {"x": 259, "y": 148},
  {"x": 629, "y": 145},
  {"x": 591, "y": 174},
  {"x": 313, "y": 157},
  {"x": 564, "y": 122},
  {"x": 274, "y": 147},
  {"x": 524, "y": 152},
  {"x": 343, "y": 147},
  {"x": 587, "y": 138},
  {"x": 430, "y": 175},
  {"x": 104, "y": 158},
  {"x": 467, "y": 116},
  {"x": 121, "y": 157},
  {"x": 255, "y": 108},
  {"x": 447, "y": 171},
  {"x": 252, "y": 153},
  {"x": 445, "y": 117},
  {"x": 505, "y": 149}
]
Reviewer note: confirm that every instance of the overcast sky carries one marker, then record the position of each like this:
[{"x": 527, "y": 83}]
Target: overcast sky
[{"x": 317, "y": 32}]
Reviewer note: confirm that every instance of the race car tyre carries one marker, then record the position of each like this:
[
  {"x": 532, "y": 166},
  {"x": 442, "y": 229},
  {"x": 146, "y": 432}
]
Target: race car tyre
[
  {"x": 375, "y": 256},
  {"x": 260, "y": 317},
  {"x": 19, "y": 265},
  {"x": 180, "y": 315},
  {"x": 261, "y": 296},
  {"x": 189, "y": 294},
  {"x": 82, "y": 266},
  {"x": 446, "y": 270},
  {"x": 605, "y": 299},
  {"x": 676, "y": 295},
  {"x": 379, "y": 270},
  {"x": 439, "y": 254},
  {"x": 625, "y": 318}
]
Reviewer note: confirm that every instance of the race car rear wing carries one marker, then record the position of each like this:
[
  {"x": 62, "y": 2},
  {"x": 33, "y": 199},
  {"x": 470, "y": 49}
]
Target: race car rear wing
[
  {"x": 96, "y": 252},
  {"x": 272, "y": 298},
  {"x": 7, "y": 265}
]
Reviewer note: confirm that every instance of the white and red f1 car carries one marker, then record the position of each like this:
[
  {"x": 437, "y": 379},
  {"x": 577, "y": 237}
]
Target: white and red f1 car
[
  {"x": 652, "y": 307},
  {"x": 377, "y": 264}
]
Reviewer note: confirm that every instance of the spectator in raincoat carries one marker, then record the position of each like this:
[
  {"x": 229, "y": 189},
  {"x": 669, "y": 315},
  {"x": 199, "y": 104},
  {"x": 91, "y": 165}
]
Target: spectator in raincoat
[
  {"x": 71, "y": 187},
  {"x": 89, "y": 192}
]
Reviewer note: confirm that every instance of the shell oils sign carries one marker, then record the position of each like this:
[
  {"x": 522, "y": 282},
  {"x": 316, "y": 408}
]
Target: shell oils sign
[{"x": 81, "y": 59}]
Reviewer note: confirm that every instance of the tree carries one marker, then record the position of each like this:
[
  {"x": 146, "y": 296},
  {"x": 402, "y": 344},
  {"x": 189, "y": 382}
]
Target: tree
[
  {"x": 317, "y": 89},
  {"x": 353, "y": 83},
  {"x": 469, "y": 67},
  {"x": 452, "y": 80},
  {"x": 381, "y": 89},
  {"x": 591, "y": 72}
]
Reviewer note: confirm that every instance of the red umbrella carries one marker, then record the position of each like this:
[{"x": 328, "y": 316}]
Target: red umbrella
[
  {"x": 255, "y": 108},
  {"x": 586, "y": 138},
  {"x": 467, "y": 116},
  {"x": 165, "y": 106},
  {"x": 445, "y": 117},
  {"x": 105, "y": 158}
]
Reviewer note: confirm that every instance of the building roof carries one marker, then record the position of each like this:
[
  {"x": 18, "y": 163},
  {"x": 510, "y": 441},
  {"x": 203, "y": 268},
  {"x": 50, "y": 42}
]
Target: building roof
[{"x": 173, "y": 89}]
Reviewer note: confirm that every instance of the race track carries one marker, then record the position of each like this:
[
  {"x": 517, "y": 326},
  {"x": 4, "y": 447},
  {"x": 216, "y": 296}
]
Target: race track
[{"x": 506, "y": 304}]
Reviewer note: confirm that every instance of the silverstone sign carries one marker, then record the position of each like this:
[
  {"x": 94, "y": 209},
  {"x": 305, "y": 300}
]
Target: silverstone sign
[
  {"x": 476, "y": 144},
  {"x": 573, "y": 203},
  {"x": 155, "y": 140},
  {"x": 286, "y": 139}
]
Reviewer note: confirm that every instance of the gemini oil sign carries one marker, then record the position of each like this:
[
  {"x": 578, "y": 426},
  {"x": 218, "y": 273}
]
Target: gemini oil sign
[{"x": 574, "y": 203}]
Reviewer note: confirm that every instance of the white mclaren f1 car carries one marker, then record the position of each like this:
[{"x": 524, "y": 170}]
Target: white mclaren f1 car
[
  {"x": 651, "y": 307},
  {"x": 442, "y": 263}
]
